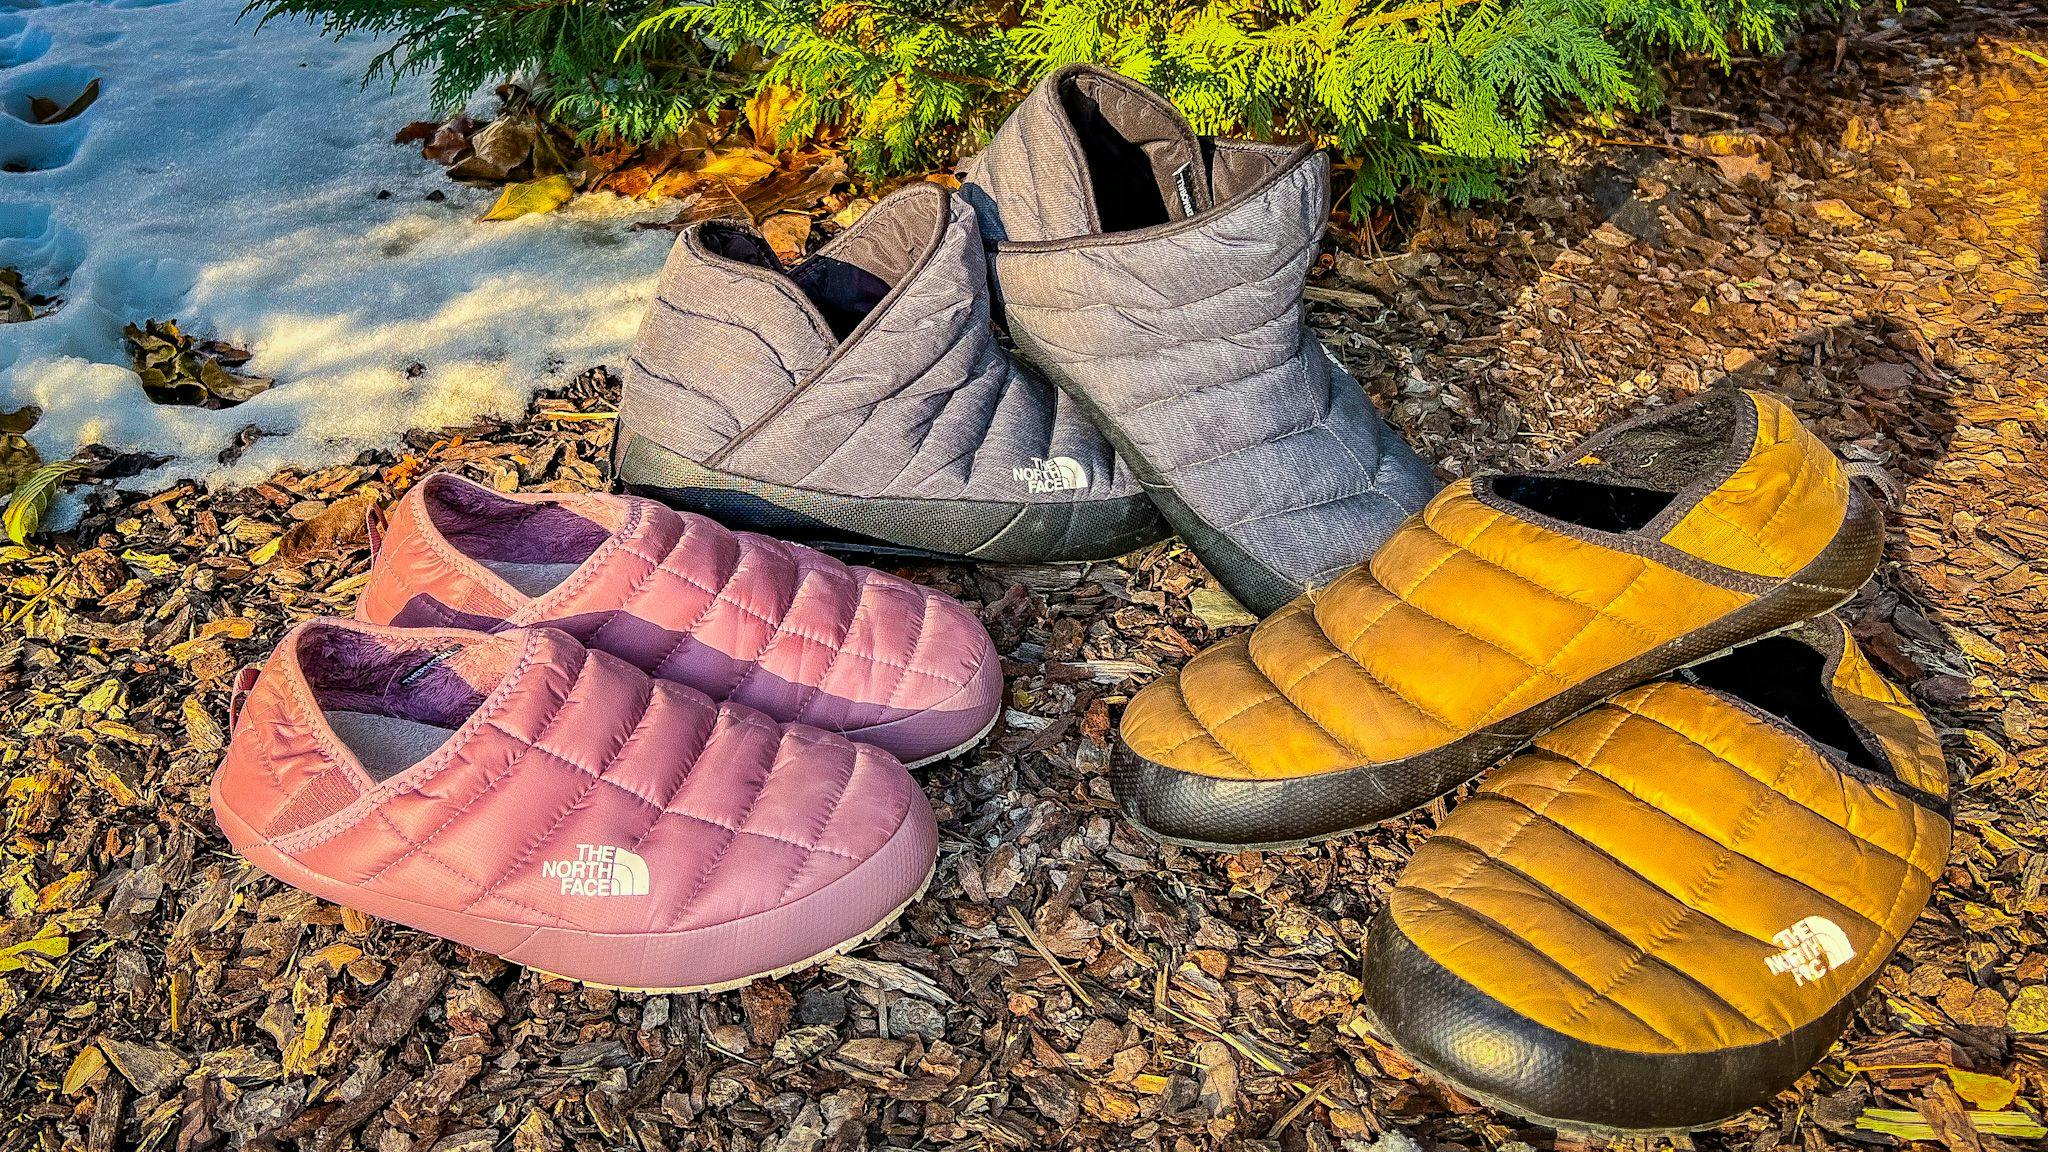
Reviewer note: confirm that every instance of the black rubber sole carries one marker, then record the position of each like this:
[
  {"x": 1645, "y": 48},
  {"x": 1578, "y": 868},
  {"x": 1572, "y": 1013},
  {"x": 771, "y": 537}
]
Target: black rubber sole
[
  {"x": 1505, "y": 1060},
  {"x": 972, "y": 530},
  {"x": 1224, "y": 815}
]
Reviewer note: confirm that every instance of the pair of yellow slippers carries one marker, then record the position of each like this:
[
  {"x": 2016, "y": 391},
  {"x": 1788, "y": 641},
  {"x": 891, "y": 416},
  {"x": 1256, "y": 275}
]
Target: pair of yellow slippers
[{"x": 1663, "y": 912}]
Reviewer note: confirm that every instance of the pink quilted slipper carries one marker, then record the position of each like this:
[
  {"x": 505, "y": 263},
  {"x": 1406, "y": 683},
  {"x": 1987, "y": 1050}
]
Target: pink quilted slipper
[
  {"x": 775, "y": 626},
  {"x": 524, "y": 795}
]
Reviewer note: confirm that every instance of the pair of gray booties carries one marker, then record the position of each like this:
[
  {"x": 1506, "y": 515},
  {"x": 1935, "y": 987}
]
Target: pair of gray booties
[{"x": 1158, "y": 369}]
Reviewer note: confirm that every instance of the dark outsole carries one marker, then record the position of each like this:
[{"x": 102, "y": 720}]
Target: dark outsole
[
  {"x": 1431, "y": 1016},
  {"x": 1217, "y": 814},
  {"x": 955, "y": 530}
]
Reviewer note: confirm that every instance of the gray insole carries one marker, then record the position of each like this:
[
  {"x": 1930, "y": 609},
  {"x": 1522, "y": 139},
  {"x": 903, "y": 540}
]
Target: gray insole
[
  {"x": 387, "y": 745},
  {"x": 532, "y": 579}
]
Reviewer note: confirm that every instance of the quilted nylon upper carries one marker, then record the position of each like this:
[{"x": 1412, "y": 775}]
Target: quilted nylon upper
[
  {"x": 777, "y": 627},
  {"x": 1191, "y": 339},
  {"x": 733, "y": 814},
  {"x": 735, "y": 368},
  {"x": 1477, "y": 610},
  {"x": 1636, "y": 880}
]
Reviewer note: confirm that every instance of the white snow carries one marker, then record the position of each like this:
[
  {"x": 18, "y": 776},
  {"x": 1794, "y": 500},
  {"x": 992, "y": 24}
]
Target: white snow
[{"x": 227, "y": 179}]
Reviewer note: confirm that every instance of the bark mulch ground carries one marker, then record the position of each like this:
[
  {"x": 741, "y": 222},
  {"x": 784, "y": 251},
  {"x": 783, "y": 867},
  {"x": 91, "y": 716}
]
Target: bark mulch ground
[{"x": 1858, "y": 227}]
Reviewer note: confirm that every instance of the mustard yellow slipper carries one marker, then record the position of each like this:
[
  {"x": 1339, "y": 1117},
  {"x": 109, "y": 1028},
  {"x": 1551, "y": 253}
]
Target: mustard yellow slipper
[
  {"x": 1664, "y": 913},
  {"x": 1509, "y": 604}
]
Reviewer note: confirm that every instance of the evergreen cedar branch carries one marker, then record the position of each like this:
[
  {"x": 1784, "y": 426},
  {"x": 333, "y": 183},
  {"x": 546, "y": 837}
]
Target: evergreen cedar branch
[{"x": 1438, "y": 96}]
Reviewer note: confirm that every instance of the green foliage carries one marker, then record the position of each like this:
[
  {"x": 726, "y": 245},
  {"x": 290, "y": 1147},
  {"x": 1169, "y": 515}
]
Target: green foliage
[{"x": 1441, "y": 96}]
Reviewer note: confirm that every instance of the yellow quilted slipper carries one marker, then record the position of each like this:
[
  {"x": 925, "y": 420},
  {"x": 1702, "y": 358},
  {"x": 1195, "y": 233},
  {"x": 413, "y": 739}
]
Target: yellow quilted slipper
[
  {"x": 1509, "y": 604},
  {"x": 1665, "y": 913}
]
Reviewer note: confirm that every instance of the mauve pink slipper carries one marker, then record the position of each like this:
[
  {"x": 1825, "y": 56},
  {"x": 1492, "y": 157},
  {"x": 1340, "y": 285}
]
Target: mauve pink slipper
[
  {"x": 556, "y": 806},
  {"x": 777, "y": 627}
]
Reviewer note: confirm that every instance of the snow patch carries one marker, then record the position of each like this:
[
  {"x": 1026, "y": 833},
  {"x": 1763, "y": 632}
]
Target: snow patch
[{"x": 228, "y": 180}]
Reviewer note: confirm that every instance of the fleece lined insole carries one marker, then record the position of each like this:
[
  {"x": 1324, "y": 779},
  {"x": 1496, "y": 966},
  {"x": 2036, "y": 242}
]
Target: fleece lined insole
[
  {"x": 532, "y": 579},
  {"x": 386, "y": 745}
]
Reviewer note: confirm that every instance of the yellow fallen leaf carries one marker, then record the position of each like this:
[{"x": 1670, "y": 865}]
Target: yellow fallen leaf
[
  {"x": 49, "y": 947},
  {"x": 61, "y": 890},
  {"x": 87, "y": 1065},
  {"x": 22, "y": 898},
  {"x": 2029, "y": 1012},
  {"x": 180, "y": 993},
  {"x": 1990, "y": 1093},
  {"x": 531, "y": 198},
  {"x": 155, "y": 563},
  {"x": 302, "y": 1053},
  {"x": 1908, "y": 1125},
  {"x": 337, "y": 956},
  {"x": 103, "y": 698},
  {"x": 768, "y": 113},
  {"x": 738, "y": 166},
  {"x": 231, "y": 627}
]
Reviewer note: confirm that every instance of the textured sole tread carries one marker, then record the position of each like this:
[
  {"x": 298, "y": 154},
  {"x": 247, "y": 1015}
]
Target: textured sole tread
[
  {"x": 1497, "y": 1104},
  {"x": 962, "y": 749}
]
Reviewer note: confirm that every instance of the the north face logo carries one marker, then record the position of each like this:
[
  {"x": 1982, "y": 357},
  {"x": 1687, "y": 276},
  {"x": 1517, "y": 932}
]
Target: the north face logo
[
  {"x": 1059, "y": 474},
  {"x": 599, "y": 870},
  {"x": 1813, "y": 948}
]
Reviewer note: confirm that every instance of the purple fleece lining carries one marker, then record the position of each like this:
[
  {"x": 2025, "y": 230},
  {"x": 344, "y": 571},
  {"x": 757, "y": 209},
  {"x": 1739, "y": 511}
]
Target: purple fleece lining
[
  {"x": 487, "y": 527},
  {"x": 351, "y": 672}
]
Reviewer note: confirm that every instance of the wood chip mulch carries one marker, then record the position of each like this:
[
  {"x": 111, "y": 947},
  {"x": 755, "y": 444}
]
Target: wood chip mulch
[{"x": 1858, "y": 227}]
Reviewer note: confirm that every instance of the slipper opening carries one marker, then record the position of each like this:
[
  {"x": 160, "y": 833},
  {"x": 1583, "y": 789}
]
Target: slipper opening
[
  {"x": 1787, "y": 679},
  {"x": 1145, "y": 167},
  {"x": 533, "y": 546},
  {"x": 850, "y": 277},
  {"x": 393, "y": 701},
  {"x": 1622, "y": 479}
]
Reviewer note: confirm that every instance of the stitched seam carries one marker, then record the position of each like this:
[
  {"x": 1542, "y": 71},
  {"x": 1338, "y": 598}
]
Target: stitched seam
[
  {"x": 701, "y": 819},
  {"x": 775, "y": 633},
  {"x": 1503, "y": 931},
  {"x": 588, "y": 572},
  {"x": 717, "y": 858},
  {"x": 1543, "y": 888},
  {"x": 1688, "y": 904},
  {"x": 1818, "y": 815},
  {"x": 1738, "y": 831},
  {"x": 1617, "y": 861},
  {"x": 1548, "y": 668},
  {"x": 541, "y": 913},
  {"x": 1762, "y": 534},
  {"x": 633, "y": 731},
  {"x": 831, "y": 809},
  {"x": 811, "y": 694},
  {"x": 639, "y": 584},
  {"x": 917, "y": 638},
  {"x": 1291, "y": 509},
  {"x": 527, "y": 853},
  {"x": 689, "y": 632},
  {"x": 1531, "y": 582},
  {"x": 1515, "y": 835}
]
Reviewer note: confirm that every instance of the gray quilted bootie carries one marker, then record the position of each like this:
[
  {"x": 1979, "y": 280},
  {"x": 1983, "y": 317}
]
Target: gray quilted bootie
[
  {"x": 1156, "y": 276},
  {"x": 860, "y": 398}
]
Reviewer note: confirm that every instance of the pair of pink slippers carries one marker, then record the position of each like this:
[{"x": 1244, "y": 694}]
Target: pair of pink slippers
[{"x": 610, "y": 741}]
